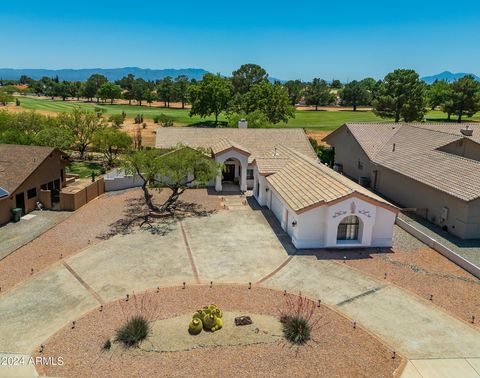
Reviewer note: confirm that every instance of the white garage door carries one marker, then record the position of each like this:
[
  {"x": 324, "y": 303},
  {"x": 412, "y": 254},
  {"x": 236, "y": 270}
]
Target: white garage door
[{"x": 277, "y": 207}]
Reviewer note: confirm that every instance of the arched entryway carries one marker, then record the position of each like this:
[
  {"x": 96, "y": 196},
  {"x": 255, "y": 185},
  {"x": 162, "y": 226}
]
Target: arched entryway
[{"x": 349, "y": 228}]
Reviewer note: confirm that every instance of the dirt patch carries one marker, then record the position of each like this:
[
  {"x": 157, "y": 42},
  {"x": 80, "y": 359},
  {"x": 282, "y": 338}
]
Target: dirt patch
[
  {"x": 318, "y": 135},
  {"x": 337, "y": 348},
  {"x": 12, "y": 108}
]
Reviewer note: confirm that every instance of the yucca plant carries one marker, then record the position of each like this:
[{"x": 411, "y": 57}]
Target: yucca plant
[
  {"x": 133, "y": 332},
  {"x": 296, "y": 330}
]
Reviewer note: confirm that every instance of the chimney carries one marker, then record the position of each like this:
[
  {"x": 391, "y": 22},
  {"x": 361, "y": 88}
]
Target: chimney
[
  {"x": 242, "y": 124},
  {"x": 467, "y": 131}
]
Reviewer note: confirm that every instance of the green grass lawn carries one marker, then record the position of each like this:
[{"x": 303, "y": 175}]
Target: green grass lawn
[
  {"x": 84, "y": 168},
  {"x": 313, "y": 120}
]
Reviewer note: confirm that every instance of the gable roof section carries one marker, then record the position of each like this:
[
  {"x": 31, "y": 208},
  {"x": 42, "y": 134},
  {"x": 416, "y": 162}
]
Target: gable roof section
[
  {"x": 226, "y": 144},
  {"x": 17, "y": 163},
  {"x": 304, "y": 183},
  {"x": 259, "y": 142},
  {"x": 417, "y": 155}
]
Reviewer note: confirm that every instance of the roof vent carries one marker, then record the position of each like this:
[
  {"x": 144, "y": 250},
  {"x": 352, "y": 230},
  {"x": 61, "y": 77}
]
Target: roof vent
[{"x": 467, "y": 131}]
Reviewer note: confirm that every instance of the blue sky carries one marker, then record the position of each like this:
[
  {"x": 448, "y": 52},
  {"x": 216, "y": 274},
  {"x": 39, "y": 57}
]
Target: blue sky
[{"x": 345, "y": 40}]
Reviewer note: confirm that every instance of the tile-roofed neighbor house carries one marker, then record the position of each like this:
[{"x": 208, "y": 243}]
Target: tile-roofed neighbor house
[
  {"x": 434, "y": 168},
  {"x": 24, "y": 171},
  {"x": 316, "y": 206}
]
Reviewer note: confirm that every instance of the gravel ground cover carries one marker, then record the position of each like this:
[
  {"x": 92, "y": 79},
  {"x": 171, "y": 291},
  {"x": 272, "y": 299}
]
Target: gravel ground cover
[
  {"x": 83, "y": 228},
  {"x": 337, "y": 349},
  {"x": 416, "y": 267}
]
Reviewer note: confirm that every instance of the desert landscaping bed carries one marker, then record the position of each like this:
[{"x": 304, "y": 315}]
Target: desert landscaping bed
[
  {"x": 336, "y": 348},
  {"x": 86, "y": 227}
]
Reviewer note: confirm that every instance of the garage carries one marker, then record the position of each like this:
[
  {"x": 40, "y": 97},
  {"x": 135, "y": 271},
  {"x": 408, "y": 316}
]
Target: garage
[{"x": 277, "y": 207}]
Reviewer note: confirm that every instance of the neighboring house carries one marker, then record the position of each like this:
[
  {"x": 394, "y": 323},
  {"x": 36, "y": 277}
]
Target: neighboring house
[
  {"x": 433, "y": 169},
  {"x": 29, "y": 174},
  {"x": 316, "y": 206}
]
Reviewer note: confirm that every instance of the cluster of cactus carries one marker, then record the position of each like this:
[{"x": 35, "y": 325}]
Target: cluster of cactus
[{"x": 208, "y": 318}]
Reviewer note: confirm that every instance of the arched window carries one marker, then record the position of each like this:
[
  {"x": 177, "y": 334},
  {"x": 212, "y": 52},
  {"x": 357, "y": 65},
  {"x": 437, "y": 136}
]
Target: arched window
[{"x": 348, "y": 228}]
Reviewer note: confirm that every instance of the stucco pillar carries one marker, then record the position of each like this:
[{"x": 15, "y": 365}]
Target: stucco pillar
[
  {"x": 243, "y": 178},
  {"x": 218, "y": 182}
]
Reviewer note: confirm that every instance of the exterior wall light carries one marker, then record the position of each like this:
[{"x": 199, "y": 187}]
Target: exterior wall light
[
  {"x": 294, "y": 223},
  {"x": 267, "y": 189}
]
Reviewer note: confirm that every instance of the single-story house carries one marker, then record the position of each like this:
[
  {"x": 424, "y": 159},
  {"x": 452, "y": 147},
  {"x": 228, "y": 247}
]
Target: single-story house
[
  {"x": 29, "y": 174},
  {"x": 432, "y": 169},
  {"x": 315, "y": 205}
]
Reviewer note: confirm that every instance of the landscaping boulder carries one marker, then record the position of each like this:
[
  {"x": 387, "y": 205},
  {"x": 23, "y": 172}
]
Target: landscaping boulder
[{"x": 243, "y": 320}]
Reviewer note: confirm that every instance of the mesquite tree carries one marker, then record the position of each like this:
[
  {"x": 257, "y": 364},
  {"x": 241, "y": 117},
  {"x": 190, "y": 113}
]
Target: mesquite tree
[{"x": 175, "y": 170}]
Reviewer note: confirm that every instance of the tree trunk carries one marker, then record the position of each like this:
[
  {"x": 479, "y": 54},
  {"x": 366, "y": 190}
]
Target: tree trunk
[
  {"x": 171, "y": 200},
  {"x": 129, "y": 101},
  {"x": 459, "y": 120},
  {"x": 354, "y": 107},
  {"x": 397, "y": 118},
  {"x": 316, "y": 107},
  {"x": 216, "y": 119},
  {"x": 148, "y": 198},
  {"x": 183, "y": 104}
]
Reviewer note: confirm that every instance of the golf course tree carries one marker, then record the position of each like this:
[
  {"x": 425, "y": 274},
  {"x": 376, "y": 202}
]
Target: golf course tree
[
  {"x": 126, "y": 83},
  {"x": 464, "y": 98},
  {"x": 336, "y": 84},
  {"x": 83, "y": 125},
  {"x": 438, "y": 93},
  {"x": 211, "y": 95},
  {"x": 270, "y": 99},
  {"x": 318, "y": 94},
  {"x": 354, "y": 94},
  {"x": 175, "y": 170},
  {"x": 109, "y": 91},
  {"x": 181, "y": 89},
  {"x": 165, "y": 91},
  {"x": 92, "y": 85},
  {"x": 111, "y": 142},
  {"x": 295, "y": 90},
  {"x": 401, "y": 96},
  {"x": 139, "y": 90},
  {"x": 246, "y": 76}
]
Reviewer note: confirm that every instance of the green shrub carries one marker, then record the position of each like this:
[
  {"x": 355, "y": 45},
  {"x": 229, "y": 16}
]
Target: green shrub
[
  {"x": 133, "y": 332},
  {"x": 163, "y": 120},
  {"x": 296, "y": 329},
  {"x": 107, "y": 345}
]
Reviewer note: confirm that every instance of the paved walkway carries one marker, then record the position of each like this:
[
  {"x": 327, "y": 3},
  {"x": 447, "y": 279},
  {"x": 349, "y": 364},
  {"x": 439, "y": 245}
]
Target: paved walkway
[
  {"x": 443, "y": 368},
  {"x": 14, "y": 235},
  {"x": 230, "y": 246}
]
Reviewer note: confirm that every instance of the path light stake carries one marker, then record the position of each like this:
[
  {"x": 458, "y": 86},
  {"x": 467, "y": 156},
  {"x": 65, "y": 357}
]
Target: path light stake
[
  {"x": 101, "y": 308},
  {"x": 31, "y": 271},
  {"x": 319, "y": 303},
  {"x": 61, "y": 256},
  {"x": 128, "y": 296},
  {"x": 284, "y": 292},
  {"x": 73, "y": 324},
  {"x": 344, "y": 259},
  {"x": 183, "y": 285},
  {"x": 354, "y": 325},
  {"x": 158, "y": 289},
  {"x": 211, "y": 284},
  {"x": 431, "y": 297},
  {"x": 42, "y": 347},
  {"x": 473, "y": 319},
  {"x": 394, "y": 354},
  {"x": 249, "y": 285},
  {"x": 385, "y": 276}
]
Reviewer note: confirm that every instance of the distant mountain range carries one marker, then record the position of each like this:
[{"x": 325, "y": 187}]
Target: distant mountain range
[
  {"x": 111, "y": 73},
  {"x": 447, "y": 76}
]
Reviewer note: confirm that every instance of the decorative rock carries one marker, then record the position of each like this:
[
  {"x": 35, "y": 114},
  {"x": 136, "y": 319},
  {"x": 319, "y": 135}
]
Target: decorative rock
[{"x": 243, "y": 320}]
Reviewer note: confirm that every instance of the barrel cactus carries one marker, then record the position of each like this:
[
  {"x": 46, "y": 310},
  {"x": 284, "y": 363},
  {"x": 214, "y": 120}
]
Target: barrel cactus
[
  {"x": 209, "y": 322},
  {"x": 195, "y": 326}
]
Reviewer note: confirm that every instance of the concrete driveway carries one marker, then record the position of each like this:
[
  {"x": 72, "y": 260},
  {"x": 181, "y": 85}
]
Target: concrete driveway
[{"x": 237, "y": 246}]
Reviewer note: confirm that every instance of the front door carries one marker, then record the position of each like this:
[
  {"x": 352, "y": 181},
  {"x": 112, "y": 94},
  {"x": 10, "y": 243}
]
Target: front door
[
  {"x": 229, "y": 172},
  {"x": 20, "y": 202}
]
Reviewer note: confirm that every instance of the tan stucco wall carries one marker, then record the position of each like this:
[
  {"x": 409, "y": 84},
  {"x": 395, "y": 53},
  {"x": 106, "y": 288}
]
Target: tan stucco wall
[
  {"x": 349, "y": 153},
  {"x": 46, "y": 172},
  {"x": 73, "y": 201}
]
